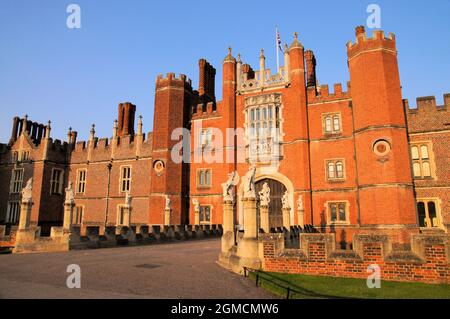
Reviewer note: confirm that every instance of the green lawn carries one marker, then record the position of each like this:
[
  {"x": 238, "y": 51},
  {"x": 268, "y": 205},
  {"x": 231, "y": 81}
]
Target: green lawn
[{"x": 331, "y": 287}]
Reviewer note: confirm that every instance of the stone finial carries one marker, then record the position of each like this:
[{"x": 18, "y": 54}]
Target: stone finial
[
  {"x": 229, "y": 57},
  {"x": 115, "y": 128},
  {"x": 261, "y": 55},
  {"x": 286, "y": 48},
  {"x": 296, "y": 43},
  {"x": 140, "y": 125},
  {"x": 27, "y": 192},
  {"x": 48, "y": 129},
  {"x": 69, "y": 135},
  {"x": 92, "y": 135},
  {"x": 239, "y": 58}
]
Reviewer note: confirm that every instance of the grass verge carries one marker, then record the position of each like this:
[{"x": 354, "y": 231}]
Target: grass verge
[{"x": 307, "y": 287}]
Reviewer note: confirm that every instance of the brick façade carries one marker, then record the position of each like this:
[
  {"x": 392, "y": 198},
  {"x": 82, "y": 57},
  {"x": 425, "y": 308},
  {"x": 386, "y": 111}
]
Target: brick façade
[{"x": 379, "y": 190}]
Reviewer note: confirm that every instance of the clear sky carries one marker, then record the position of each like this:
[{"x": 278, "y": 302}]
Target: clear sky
[{"x": 77, "y": 77}]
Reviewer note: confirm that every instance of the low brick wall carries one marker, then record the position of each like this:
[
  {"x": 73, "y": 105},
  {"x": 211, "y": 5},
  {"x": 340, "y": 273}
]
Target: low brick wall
[{"x": 428, "y": 261}]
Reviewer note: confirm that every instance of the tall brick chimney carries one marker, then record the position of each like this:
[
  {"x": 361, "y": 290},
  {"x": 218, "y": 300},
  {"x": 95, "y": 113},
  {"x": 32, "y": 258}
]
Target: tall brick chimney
[
  {"x": 126, "y": 115},
  {"x": 310, "y": 68},
  {"x": 206, "y": 83}
]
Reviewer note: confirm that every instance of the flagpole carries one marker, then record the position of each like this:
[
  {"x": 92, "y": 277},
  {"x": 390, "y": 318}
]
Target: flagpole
[{"x": 276, "y": 48}]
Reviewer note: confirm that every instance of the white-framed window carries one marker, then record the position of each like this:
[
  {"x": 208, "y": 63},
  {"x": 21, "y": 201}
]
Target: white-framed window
[
  {"x": 77, "y": 217},
  {"x": 338, "y": 212},
  {"x": 16, "y": 181},
  {"x": 125, "y": 179},
  {"x": 331, "y": 123},
  {"x": 204, "y": 178},
  {"x": 421, "y": 159},
  {"x": 81, "y": 181},
  {"x": 15, "y": 156},
  {"x": 335, "y": 169},
  {"x": 206, "y": 137},
  {"x": 429, "y": 212},
  {"x": 25, "y": 156},
  {"x": 13, "y": 212},
  {"x": 205, "y": 214},
  {"x": 56, "y": 183},
  {"x": 262, "y": 120}
]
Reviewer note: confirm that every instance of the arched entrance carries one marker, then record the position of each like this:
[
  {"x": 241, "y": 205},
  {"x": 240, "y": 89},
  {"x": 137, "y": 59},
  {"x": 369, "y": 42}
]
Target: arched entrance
[{"x": 277, "y": 190}]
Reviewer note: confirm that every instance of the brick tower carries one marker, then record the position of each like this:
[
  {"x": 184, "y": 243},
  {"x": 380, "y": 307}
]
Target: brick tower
[
  {"x": 385, "y": 187},
  {"x": 173, "y": 101}
]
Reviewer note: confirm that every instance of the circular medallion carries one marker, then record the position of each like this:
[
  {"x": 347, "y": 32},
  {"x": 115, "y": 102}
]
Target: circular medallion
[
  {"x": 158, "y": 166},
  {"x": 381, "y": 147}
]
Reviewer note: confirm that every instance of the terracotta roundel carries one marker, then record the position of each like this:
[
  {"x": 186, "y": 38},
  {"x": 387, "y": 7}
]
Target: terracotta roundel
[
  {"x": 158, "y": 166},
  {"x": 381, "y": 147}
]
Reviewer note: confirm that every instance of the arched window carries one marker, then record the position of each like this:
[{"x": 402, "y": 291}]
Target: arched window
[
  {"x": 420, "y": 154},
  {"x": 336, "y": 123},
  {"x": 208, "y": 177},
  {"x": 331, "y": 170},
  {"x": 432, "y": 214},
  {"x": 328, "y": 128},
  {"x": 415, "y": 152},
  {"x": 339, "y": 170},
  {"x": 416, "y": 169},
  {"x": 335, "y": 169},
  {"x": 331, "y": 123},
  {"x": 427, "y": 210},
  {"x": 421, "y": 213},
  {"x": 424, "y": 152},
  {"x": 426, "y": 169}
]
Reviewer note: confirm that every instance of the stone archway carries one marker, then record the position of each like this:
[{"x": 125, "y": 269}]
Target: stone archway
[
  {"x": 277, "y": 189},
  {"x": 263, "y": 173}
]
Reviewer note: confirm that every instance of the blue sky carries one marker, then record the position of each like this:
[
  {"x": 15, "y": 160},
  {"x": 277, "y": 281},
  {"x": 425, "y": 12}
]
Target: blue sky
[{"x": 76, "y": 77}]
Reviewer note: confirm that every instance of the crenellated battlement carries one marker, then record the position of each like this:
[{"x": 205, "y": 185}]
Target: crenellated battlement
[
  {"x": 363, "y": 43},
  {"x": 427, "y": 115},
  {"x": 101, "y": 144},
  {"x": 203, "y": 110},
  {"x": 172, "y": 80},
  {"x": 323, "y": 94},
  {"x": 427, "y": 103}
]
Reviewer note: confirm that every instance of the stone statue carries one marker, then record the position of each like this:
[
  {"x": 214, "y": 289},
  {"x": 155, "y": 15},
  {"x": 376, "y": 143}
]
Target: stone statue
[
  {"x": 69, "y": 194},
  {"x": 196, "y": 204},
  {"x": 227, "y": 187},
  {"x": 128, "y": 199},
  {"x": 300, "y": 203},
  {"x": 168, "y": 203},
  {"x": 264, "y": 195},
  {"x": 249, "y": 182},
  {"x": 27, "y": 191},
  {"x": 285, "y": 200}
]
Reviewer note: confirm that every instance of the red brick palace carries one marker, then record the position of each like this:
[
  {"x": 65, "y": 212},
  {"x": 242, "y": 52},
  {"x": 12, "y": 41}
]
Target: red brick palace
[{"x": 351, "y": 161}]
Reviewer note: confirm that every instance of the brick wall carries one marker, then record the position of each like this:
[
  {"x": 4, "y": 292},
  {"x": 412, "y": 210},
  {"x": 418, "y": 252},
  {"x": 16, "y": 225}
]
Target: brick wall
[{"x": 428, "y": 261}]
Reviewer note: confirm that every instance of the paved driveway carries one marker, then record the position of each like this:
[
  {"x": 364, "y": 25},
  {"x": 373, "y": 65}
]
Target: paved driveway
[{"x": 178, "y": 270}]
